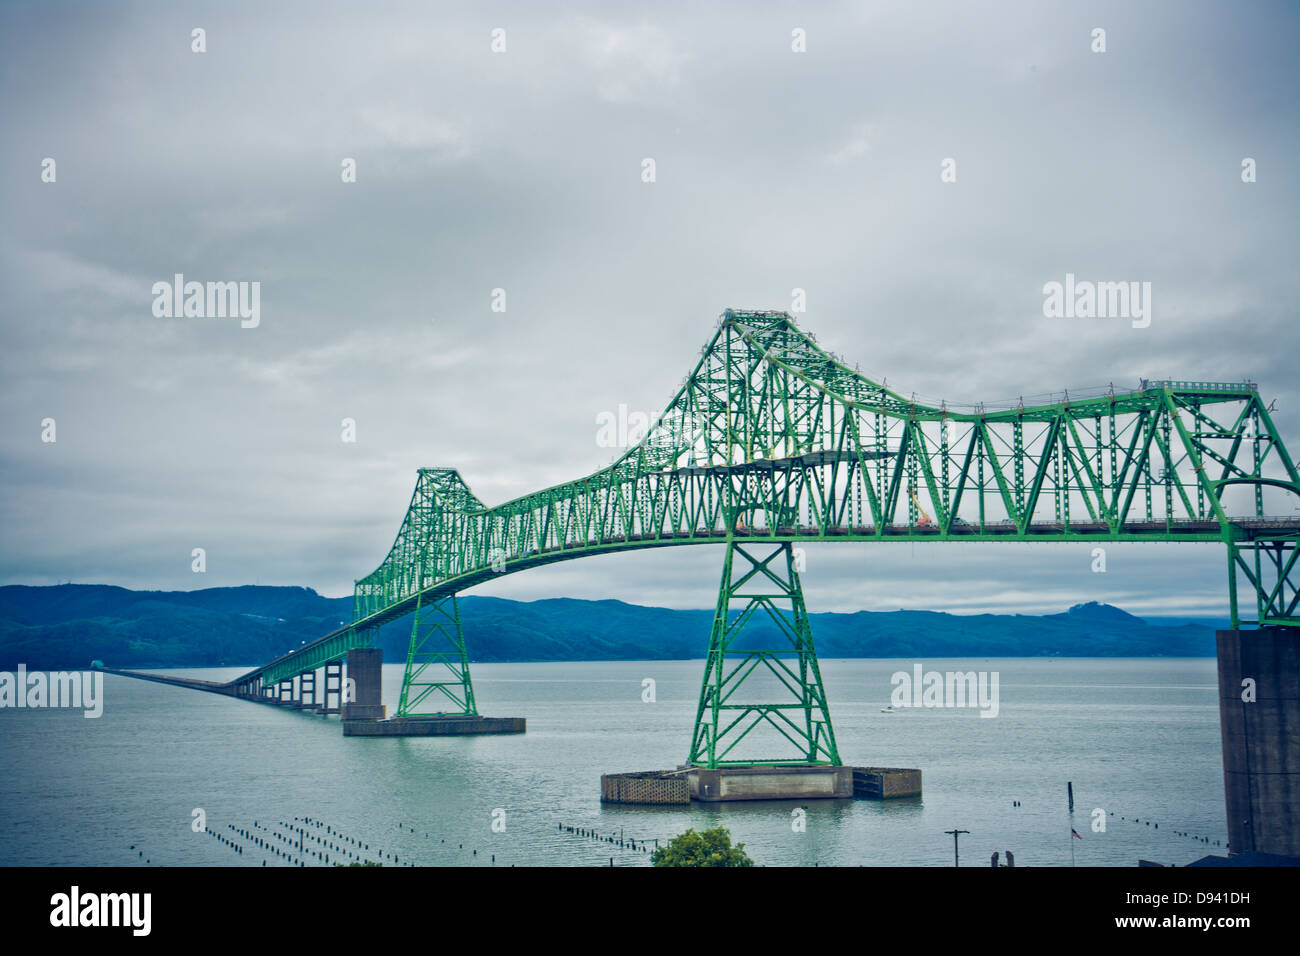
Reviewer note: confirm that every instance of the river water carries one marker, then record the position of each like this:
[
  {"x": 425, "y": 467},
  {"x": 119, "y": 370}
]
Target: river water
[{"x": 1139, "y": 739}]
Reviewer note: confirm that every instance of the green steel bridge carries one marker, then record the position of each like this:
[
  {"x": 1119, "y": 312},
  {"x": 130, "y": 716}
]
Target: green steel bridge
[{"x": 772, "y": 441}]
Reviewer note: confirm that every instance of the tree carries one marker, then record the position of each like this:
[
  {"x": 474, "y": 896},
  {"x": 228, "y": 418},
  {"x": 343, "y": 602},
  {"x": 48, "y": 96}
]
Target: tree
[{"x": 710, "y": 848}]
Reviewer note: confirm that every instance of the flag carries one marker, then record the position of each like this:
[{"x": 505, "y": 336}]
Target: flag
[{"x": 1075, "y": 833}]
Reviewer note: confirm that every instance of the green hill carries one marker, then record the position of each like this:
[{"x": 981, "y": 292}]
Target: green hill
[{"x": 69, "y": 625}]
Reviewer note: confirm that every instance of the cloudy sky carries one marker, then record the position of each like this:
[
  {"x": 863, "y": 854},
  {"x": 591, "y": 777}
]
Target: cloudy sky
[{"x": 522, "y": 170}]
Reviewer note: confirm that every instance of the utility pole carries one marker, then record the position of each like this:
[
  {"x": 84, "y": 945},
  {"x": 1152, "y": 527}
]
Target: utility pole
[{"x": 956, "y": 860}]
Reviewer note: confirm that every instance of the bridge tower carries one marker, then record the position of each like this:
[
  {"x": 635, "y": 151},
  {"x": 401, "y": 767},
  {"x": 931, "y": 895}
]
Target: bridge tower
[
  {"x": 437, "y": 670},
  {"x": 761, "y": 644}
]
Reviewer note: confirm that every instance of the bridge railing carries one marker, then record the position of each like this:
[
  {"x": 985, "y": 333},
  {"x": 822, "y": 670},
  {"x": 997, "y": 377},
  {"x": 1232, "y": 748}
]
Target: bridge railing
[{"x": 1155, "y": 384}]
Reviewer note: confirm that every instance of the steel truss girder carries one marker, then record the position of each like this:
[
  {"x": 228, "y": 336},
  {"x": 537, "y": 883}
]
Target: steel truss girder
[
  {"x": 333, "y": 647},
  {"x": 772, "y": 427},
  {"x": 771, "y": 439}
]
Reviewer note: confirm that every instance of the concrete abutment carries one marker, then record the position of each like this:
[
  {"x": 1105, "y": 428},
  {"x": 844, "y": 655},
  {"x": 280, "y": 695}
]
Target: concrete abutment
[{"x": 1261, "y": 738}]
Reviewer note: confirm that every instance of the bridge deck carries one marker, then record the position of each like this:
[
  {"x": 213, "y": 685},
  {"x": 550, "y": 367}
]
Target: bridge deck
[
  {"x": 192, "y": 683},
  {"x": 1041, "y": 532}
]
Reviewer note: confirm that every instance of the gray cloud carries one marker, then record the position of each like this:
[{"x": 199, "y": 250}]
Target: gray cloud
[{"x": 522, "y": 171}]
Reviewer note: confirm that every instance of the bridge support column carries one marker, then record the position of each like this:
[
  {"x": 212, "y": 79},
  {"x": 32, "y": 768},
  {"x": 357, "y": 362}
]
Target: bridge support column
[
  {"x": 761, "y": 644},
  {"x": 437, "y": 680},
  {"x": 1259, "y": 715},
  {"x": 437, "y": 673},
  {"x": 284, "y": 694},
  {"x": 333, "y": 686},
  {"x": 363, "y": 697},
  {"x": 1270, "y": 568},
  {"x": 307, "y": 690}
]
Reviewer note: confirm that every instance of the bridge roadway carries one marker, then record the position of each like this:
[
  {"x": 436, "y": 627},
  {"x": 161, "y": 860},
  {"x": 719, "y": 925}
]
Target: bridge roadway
[
  {"x": 191, "y": 683},
  {"x": 335, "y": 644}
]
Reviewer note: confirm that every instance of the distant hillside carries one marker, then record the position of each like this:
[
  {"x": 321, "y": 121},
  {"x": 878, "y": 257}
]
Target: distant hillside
[{"x": 71, "y": 624}]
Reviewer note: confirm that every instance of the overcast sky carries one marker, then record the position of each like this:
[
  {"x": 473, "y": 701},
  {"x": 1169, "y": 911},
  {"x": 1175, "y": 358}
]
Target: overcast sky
[{"x": 522, "y": 170}]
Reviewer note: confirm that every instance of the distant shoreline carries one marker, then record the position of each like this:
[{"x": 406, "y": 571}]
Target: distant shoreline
[
  {"x": 70, "y": 625},
  {"x": 697, "y": 660}
]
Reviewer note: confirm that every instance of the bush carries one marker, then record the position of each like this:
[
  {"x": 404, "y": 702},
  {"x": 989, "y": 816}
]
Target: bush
[{"x": 710, "y": 848}]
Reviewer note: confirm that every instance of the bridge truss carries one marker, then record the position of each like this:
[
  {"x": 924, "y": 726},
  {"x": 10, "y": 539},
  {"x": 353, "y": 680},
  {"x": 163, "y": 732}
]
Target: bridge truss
[{"x": 771, "y": 440}]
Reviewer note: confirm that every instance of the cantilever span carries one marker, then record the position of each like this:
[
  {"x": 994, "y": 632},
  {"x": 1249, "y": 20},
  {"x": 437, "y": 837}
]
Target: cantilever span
[{"x": 772, "y": 441}]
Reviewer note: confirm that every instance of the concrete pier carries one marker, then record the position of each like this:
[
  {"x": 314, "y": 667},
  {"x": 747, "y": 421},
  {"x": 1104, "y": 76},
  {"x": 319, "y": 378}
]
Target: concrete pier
[
  {"x": 333, "y": 687},
  {"x": 432, "y": 726},
  {"x": 1261, "y": 738},
  {"x": 886, "y": 783},
  {"x": 645, "y": 787},
  {"x": 307, "y": 691},
  {"x": 363, "y": 699},
  {"x": 685, "y": 784},
  {"x": 769, "y": 783}
]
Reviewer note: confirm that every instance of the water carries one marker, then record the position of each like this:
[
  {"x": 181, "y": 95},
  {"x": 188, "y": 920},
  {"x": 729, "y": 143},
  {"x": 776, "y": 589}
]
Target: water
[{"x": 1138, "y": 738}]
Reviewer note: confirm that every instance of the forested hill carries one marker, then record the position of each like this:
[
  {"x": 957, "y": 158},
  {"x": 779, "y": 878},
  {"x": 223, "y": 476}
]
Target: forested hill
[{"x": 70, "y": 625}]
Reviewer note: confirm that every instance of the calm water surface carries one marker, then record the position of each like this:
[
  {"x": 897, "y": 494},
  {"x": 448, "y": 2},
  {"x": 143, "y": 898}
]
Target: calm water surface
[{"x": 1138, "y": 738}]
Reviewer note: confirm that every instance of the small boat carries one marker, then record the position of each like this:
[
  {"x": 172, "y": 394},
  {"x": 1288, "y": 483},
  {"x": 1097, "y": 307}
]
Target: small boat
[{"x": 888, "y": 709}]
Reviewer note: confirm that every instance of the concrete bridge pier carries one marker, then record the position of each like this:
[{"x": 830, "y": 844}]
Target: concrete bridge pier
[
  {"x": 333, "y": 686},
  {"x": 307, "y": 690},
  {"x": 364, "y": 685},
  {"x": 1259, "y": 715}
]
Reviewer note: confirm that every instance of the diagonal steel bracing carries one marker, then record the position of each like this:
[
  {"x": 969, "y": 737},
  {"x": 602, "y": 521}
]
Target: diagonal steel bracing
[
  {"x": 761, "y": 630},
  {"x": 437, "y": 679},
  {"x": 770, "y": 438}
]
